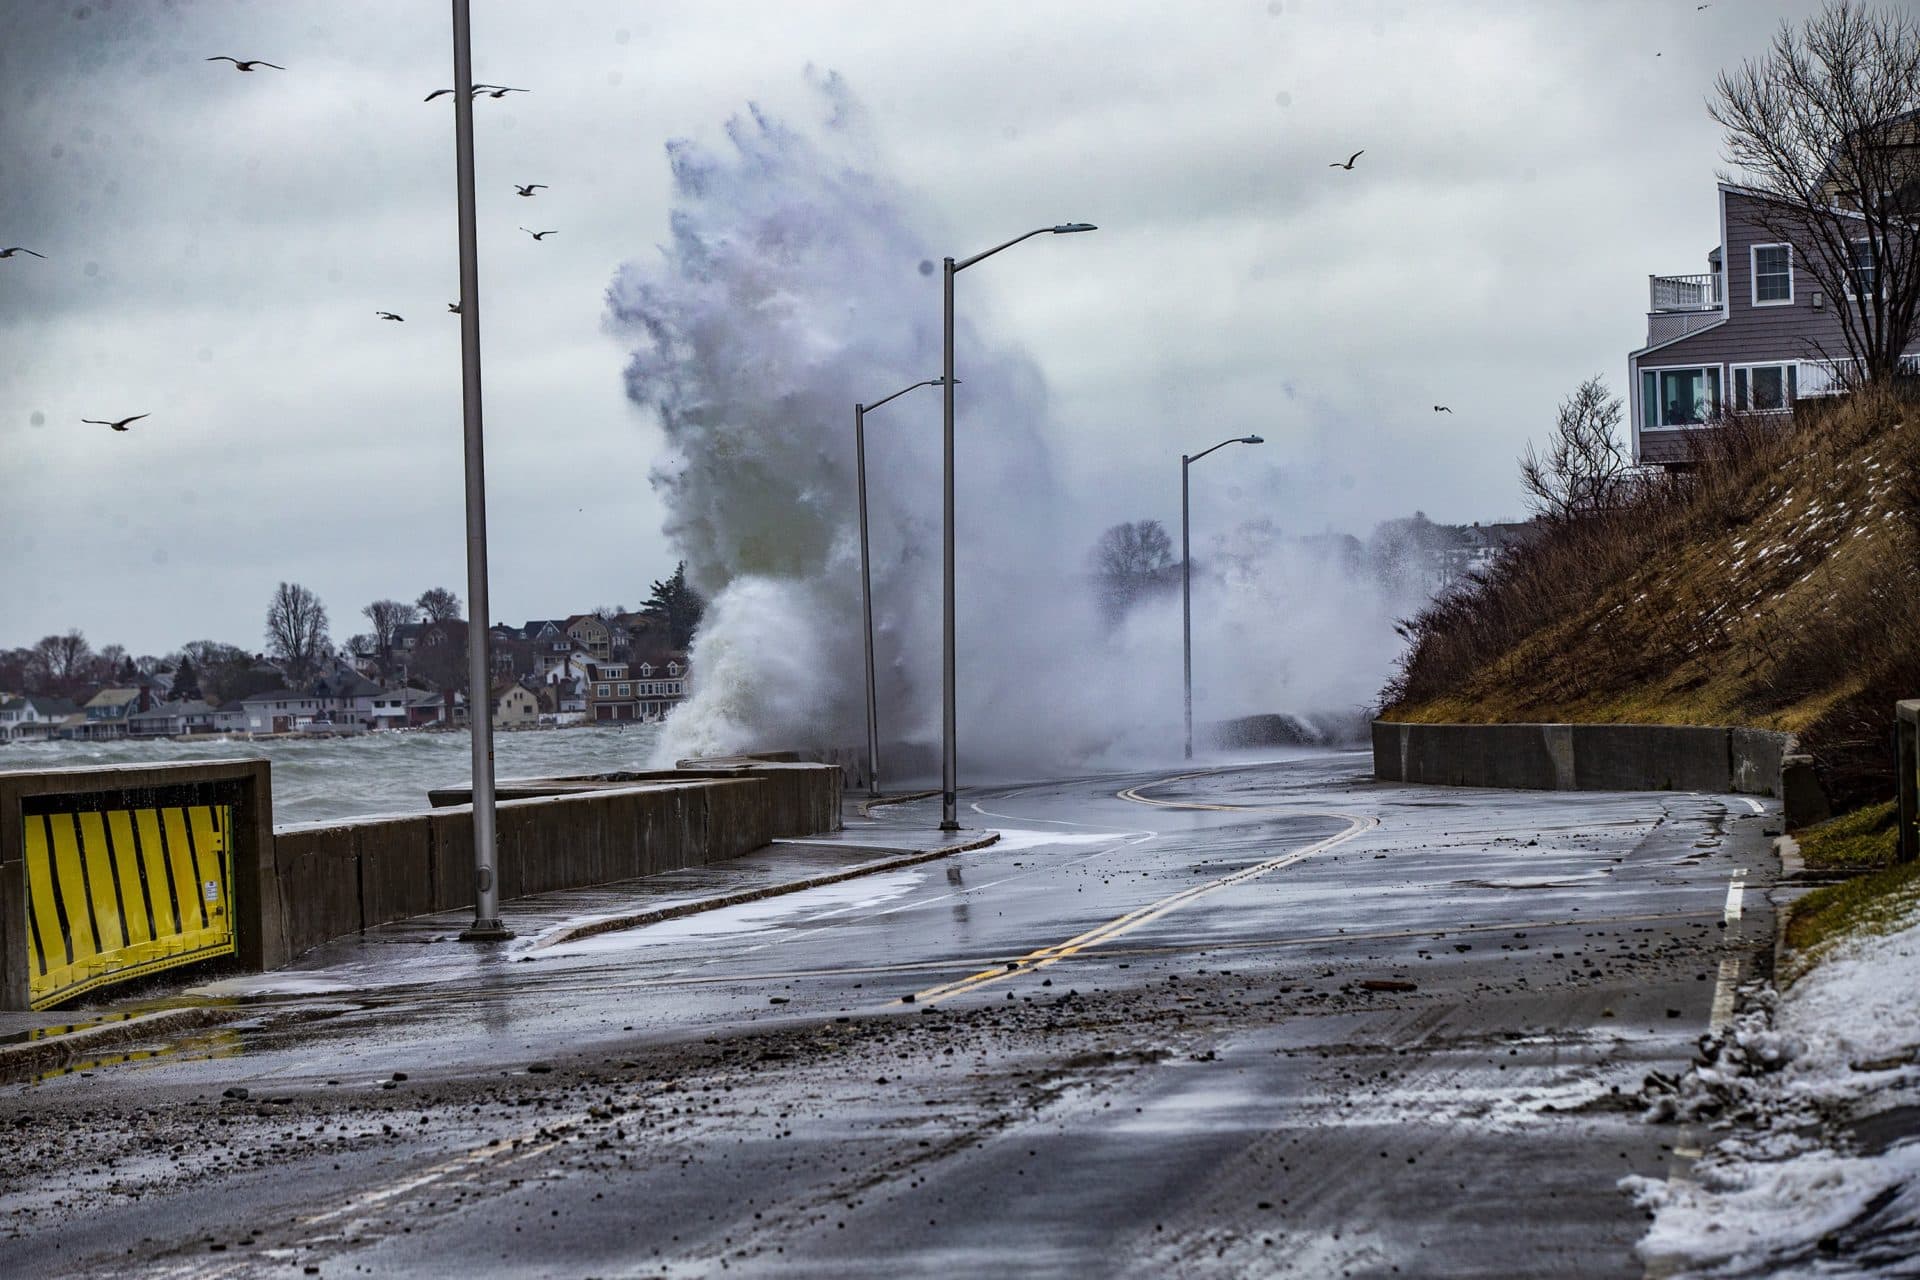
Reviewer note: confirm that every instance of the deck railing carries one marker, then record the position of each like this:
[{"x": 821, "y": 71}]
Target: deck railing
[{"x": 1683, "y": 293}]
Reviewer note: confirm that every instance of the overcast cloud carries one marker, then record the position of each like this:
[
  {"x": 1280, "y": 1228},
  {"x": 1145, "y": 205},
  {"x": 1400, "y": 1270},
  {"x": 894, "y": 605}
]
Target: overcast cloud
[{"x": 218, "y": 243}]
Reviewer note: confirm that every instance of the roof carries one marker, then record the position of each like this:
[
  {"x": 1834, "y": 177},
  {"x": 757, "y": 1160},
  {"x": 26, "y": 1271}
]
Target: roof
[
  {"x": 279, "y": 695},
  {"x": 42, "y": 704},
  {"x": 168, "y": 710},
  {"x": 114, "y": 698}
]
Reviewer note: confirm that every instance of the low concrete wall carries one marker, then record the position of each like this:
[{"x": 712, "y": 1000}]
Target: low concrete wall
[
  {"x": 338, "y": 878},
  {"x": 1601, "y": 757}
]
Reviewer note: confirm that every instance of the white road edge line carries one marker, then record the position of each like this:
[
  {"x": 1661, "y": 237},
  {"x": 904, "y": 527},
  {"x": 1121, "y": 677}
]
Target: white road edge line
[{"x": 1736, "y": 891}]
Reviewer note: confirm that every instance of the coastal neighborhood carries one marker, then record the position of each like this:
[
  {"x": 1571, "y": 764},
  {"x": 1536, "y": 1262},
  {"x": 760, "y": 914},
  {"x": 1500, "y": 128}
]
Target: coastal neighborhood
[{"x": 614, "y": 667}]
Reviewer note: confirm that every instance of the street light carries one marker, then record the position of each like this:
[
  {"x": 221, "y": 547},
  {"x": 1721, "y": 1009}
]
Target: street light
[
  {"x": 487, "y": 925},
  {"x": 1186, "y": 579},
  {"x": 866, "y": 577},
  {"x": 949, "y": 771}
]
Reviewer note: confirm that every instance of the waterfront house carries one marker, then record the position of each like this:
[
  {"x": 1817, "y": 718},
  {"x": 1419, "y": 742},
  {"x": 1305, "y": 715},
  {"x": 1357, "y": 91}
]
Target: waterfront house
[
  {"x": 1752, "y": 334},
  {"x": 282, "y": 710},
  {"x": 106, "y": 714},
  {"x": 436, "y": 707},
  {"x": 184, "y": 717},
  {"x": 660, "y": 684},
  {"x": 514, "y": 704},
  {"x": 33, "y": 716},
  {"x": 610, "y": 695}
]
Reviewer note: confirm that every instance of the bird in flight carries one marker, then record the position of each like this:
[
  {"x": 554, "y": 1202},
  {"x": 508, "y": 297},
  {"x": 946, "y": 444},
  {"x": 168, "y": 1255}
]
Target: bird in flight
[
  {"x": 477, "y": 90},
  {"x": 248, "y": 64},
  {"x": 1440, "y": 408},
  {"x": 530, "y": 188},
  {"x": 388, "y": 315},
  {"x": 497, "y": 90},
  {"x": 19, "y": 248},
  {"x": 1335, "y": 164},
  {"x": 454, "y": 307},
  {"x": 539, "y": 235},
  {"x": 117, "y": 426}
]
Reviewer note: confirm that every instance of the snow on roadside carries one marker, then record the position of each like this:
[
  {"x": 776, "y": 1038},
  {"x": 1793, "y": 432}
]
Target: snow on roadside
[{"x": 1806, "y": 1182}]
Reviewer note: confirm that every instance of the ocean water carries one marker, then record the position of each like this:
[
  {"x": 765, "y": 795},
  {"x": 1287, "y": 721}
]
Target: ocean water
[{"x": 318, "y": 779}]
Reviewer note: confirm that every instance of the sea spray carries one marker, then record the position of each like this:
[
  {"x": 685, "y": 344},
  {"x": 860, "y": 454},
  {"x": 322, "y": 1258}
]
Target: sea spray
[{"x": 797, "y": 279}]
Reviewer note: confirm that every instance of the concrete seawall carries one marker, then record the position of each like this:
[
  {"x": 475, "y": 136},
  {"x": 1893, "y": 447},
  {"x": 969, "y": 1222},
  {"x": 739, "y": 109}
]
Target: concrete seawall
[
  {"x": 339, "y": 878},
  {"x": 294, "y": 887},
  {"x": 1602, "y": 757}
]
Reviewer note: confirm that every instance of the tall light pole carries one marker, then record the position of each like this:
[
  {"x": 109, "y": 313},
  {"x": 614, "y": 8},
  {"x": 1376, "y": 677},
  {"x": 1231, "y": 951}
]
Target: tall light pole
[
  {"x": 949, "y": 766},
  {"x": 487, "y": 925},
  {"x": 866, "y": 576},
  {"x": 1186, "y": 579}
]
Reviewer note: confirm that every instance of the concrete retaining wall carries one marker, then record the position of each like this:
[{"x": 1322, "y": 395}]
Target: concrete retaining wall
[
  {"x": 562, "y": 833},
  {"x": 1601, "y": 757}
]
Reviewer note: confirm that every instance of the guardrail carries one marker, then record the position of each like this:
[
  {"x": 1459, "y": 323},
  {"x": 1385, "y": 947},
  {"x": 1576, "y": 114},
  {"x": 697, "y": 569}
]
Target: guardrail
[
  {"x": 1906, "y": 729},
  {"x": 109, "y": 874}
]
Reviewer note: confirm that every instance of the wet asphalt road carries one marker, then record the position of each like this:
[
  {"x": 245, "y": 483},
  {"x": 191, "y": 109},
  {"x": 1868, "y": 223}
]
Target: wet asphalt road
[{"x": 1276, "y": 1020}]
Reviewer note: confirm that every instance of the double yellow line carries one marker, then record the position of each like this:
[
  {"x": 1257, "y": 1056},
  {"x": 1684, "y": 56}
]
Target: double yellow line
[{"x": 1126, "y": 924}]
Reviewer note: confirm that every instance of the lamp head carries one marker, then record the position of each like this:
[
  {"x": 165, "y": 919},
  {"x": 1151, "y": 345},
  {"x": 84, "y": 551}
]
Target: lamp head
[
  {"x": 1251, "y": 440},
  {"x": 1067, "y": 228}
]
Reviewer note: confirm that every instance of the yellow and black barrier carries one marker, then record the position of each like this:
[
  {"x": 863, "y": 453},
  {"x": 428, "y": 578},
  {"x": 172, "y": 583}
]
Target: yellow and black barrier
[
  {"x": 116, "y": 893},
  {"x": 111, "y": 874}
]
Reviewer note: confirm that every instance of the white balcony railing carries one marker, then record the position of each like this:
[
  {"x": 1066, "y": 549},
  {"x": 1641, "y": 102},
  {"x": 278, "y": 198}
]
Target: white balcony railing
[{"x": 1683, "y": 293}]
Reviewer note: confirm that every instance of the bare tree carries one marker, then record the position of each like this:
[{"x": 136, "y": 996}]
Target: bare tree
[
  {"x": 1586, "y": 468},
  {"x": 1825, "y": 126},
  {"x": 61, "y": 663},
  {"x": 387, "y": 617},
  {"x": 439, "y": 604},
  {"x": 1126, "y": 558},
  {"x": 297, "y": 630}
]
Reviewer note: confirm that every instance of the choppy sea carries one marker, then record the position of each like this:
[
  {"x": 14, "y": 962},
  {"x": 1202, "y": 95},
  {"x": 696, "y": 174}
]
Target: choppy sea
[{"x": 318, "y": 779}]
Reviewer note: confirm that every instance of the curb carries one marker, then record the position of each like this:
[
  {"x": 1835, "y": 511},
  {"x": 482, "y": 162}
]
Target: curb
[
  {"x": 61, "y": 1048},
  {"x": 613, "y": 924},
  {"x": 868, "y": 806}
]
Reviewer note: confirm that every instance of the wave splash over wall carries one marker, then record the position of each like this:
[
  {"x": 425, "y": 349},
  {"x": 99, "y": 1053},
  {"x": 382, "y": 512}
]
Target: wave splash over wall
[{"x": 797, "y": 279}]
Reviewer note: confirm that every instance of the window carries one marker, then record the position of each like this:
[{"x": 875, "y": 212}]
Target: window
[
  {"x": 1679, "y": 397},
  {"x": 1772, "y": 275},
  {"x": 1765, "y": 388},
  {"x": 1863, "y": 273},
  {"x": 626, "y": 690},
  {"x": 601, "y": 691}
]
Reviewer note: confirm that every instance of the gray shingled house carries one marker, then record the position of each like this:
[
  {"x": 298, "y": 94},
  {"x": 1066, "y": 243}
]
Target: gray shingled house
[{"x": 1752, "y": 334}]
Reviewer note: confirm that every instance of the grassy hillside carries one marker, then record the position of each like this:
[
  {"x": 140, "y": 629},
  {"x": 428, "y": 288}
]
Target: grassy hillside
[{"x": 1777, "y": 584}]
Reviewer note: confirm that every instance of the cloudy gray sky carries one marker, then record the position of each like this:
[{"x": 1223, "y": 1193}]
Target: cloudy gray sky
[{"x": 217, "y": 244}]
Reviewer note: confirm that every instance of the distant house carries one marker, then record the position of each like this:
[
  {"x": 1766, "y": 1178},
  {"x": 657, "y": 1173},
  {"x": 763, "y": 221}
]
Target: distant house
[
  {"x": 514, "y": 704},
  {"x": 183, "y": 718},
  {"x": 610, "y": 696},
  {"x": 591, "y": 635},
  {"x": 33, "y": 716},
  {"x": 1752, "y": 334},
  {"x": 446, "y": 706},
  {"x": 107, "y": 714},
  {"x": 660, "y": 684},
  {"x": 282, "y": 710}
]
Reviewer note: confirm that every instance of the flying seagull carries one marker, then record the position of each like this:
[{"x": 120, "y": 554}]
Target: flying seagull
[
  {"x": 19, "y": 248},
  {"x": 498, "y": 90},
  {"x": 388, "y": 315},
  {"x": 1335, "y": 164},
  {"x": 247, "y": 65},
  {"x": 454, "y": 307},
  {"x": 117, "y": 426},
  {"x": 539, "y": 235},
  {"x": 1440, "y": 408},
  {"x": 478, "y": 89},
  {"x": 530, "y": 188}
]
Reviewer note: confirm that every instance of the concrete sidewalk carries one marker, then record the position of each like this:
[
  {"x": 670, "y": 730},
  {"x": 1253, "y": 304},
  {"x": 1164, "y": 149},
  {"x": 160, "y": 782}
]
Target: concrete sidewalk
[{"x": 427, "y": 948}]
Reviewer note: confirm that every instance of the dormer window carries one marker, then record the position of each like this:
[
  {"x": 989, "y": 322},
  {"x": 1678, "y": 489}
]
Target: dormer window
[
  {"x": 646, "y": 668},
  {"x": 1772, "y": 275},
  {"x": 673, "y": 668}
]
